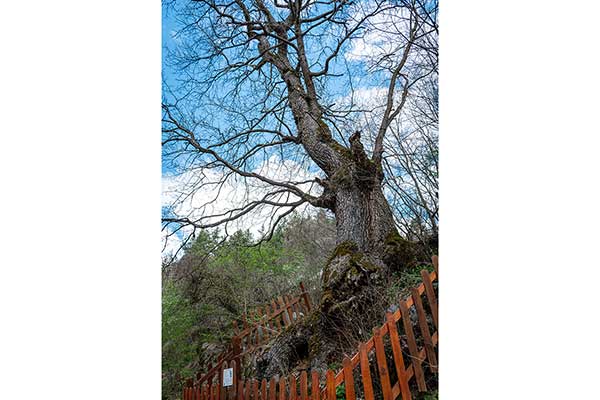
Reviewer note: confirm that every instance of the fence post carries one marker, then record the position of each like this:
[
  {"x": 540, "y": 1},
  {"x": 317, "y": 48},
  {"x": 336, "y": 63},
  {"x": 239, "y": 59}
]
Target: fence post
[
  {"x": 255, "y": 389},
  {"x": 412, "y": 346},
  {"x": 240, "y": 390},
  {"x": 365, "y": 372},
  {"x": 315, "y": 387},
  {"x": 263, "y": 389},
  {"x": 237, "y": 350},
  {"x": 303, "y": 385},
  {"x": 286, "y": 317},
  {"x": 384, "y": 375},
  {"x": 424, "y": 330},
  {"x": 274, "y": 318},
  {"x": 293, "y": 391},
  {"x": 305, "y": 296},
  {"x": 431, "y": 298},
  {"x": 348, "y": 379},
  {"x": 290, "y": 310},
  {"x": 330, "y": 385},
  {"x": 398, "y": 358}
]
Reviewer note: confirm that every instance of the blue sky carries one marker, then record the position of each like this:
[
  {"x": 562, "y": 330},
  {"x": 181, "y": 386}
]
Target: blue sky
[
  {"x": 168, "y": 26},
  {"x": 367, "y": 86}
]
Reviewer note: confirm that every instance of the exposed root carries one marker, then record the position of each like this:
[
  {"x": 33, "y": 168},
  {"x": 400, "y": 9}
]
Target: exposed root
[
  {"x": 351, "y": 283},
  {"x": 351, "y": 304}
]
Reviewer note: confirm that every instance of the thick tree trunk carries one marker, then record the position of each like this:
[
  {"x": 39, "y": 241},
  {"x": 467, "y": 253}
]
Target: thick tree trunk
[
  {"x": 368, "y": 249},
  {"x": 368, "y": 246},
  {"x": 363, "y": 218}
]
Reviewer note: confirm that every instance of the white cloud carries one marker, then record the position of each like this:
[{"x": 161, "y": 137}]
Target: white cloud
[
  {"x": 384, "y": 34},
  {"x": 193, "y": 194},
  {"x": 170, "y": 244}
]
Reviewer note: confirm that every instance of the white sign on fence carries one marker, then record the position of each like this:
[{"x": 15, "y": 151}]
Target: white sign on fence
[{"x": 228, "y": 377}]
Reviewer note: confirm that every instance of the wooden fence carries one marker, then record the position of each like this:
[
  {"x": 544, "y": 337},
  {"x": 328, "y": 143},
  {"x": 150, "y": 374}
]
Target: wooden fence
[
  {"x": 257, "y": 328},
  {"x": 370, "y": 373}
]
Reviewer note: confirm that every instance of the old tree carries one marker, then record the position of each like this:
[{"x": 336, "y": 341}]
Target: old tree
[{"x": 308, "y": 104}]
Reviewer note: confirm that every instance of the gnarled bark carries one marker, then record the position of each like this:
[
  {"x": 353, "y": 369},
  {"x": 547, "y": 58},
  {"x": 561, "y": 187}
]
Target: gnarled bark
[
  {"x": 267, "y": 42},
  {"x": 368, "y": 249}
]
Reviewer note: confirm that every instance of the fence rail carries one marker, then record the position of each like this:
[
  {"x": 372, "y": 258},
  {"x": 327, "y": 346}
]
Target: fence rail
[
  {"x": 267, "y": 321},
  {"x": 367, "y": 372}
]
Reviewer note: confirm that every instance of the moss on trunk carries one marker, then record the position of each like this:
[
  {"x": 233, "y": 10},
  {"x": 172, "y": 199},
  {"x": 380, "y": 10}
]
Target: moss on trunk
[
  {"x": 352, "y": 303},
  {"x": 345, "y": 314},
  {"x": 400, "y": 253}
]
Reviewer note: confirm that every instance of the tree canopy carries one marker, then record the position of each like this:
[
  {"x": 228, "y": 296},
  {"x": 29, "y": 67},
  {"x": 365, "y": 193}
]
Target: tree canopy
[{"x": 261, "y": 99}]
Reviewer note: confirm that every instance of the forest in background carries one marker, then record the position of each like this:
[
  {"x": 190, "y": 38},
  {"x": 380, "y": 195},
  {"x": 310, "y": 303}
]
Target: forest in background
[
  {"x": 216, "y": 281},
  {"x": 219, "y": 279}
]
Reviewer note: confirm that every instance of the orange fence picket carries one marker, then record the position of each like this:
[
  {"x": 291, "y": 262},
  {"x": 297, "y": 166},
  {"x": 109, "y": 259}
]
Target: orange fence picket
[
  {"x": 410, "y": 360},
  {"x": 315, "y": 388}
]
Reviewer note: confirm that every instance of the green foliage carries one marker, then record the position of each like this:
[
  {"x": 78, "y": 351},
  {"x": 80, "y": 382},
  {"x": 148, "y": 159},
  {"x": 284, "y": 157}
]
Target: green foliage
[
  {"x": 340, "y": 392},
  {"x": 427, "y": 396},
  {"x": 334, "y": 366},
  {"x": 178, "y": 319},
  {"x": 270, "y": 257},
  {"x": 204, "y": 244},
  {"x": 402, "y": 282},
  {"x": 218, "y": 279}
]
